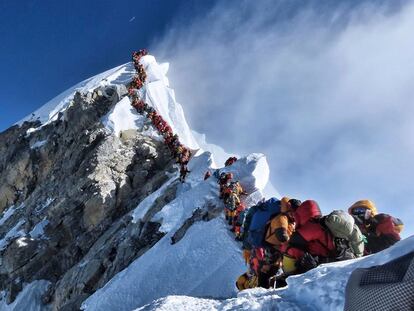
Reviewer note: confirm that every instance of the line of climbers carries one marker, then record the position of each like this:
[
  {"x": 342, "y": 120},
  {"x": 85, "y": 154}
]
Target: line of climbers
[
  {"x": 286, "y": 237},
  {"x": 181, "y": 153},
  {"x": 280, "y": 237}
]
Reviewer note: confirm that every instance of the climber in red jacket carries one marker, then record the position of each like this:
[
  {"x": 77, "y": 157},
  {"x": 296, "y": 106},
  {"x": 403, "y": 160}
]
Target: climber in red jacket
[
  {"x": 136, "y": 56},
  {"x": 230, "y": 161},
  {"x": 224, "y": 181},
  {"x": 310, "y": 244},
  {"x": 136, "y": 82},
  {"x": 138, "y": 104},
  {"x": 167, "y": 130}
]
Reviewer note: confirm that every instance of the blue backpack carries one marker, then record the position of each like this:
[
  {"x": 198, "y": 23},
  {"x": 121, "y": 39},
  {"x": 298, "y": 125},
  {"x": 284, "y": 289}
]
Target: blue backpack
[{"x": 262, "y": 214}]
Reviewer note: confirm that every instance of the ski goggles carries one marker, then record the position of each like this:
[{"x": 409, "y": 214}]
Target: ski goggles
[{"x": 359, "y": 210}]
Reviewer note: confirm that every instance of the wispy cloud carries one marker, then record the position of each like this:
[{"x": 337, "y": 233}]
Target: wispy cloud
[{"x": 325, "y": 92}]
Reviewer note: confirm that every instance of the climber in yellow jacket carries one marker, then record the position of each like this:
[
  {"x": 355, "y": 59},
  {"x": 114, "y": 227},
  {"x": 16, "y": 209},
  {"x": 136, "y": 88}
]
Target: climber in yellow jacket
[{"x": 281, "y": 227}]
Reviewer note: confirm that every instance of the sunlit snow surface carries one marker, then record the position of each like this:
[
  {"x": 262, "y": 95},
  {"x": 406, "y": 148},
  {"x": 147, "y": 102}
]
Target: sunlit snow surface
[
  {"x": 204, "y": 263},
  {"x": 49, "y": 112},
  {"x": 207, "y": 260},
  {"x": 320, "y": 289},
  {"x": 156, "y": 93}
]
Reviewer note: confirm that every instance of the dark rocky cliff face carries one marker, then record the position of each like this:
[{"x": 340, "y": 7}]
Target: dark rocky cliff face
[{"x": 78, "y": 182}]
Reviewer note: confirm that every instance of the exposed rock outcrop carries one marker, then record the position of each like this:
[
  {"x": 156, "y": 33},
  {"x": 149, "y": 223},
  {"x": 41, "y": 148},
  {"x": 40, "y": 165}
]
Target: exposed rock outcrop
[{"x": 78, "y": 183}]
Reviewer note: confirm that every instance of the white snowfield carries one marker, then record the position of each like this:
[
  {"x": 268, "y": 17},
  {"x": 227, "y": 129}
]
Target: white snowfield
[{"x": 206, "y": 262}]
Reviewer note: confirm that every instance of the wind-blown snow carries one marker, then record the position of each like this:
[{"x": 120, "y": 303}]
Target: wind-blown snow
[
  {"x": 322, "y": 288},
  {"x": 219, "y": 154}
]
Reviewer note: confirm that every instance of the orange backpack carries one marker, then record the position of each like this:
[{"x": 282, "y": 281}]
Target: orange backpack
[{"x": 280, "y": 221}]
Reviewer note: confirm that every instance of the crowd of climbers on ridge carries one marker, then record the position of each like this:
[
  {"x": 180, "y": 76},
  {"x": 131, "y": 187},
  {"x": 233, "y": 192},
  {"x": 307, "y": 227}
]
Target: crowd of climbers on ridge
[
  {"x": 280, "y": 237},
  {"x": 286, "y": 237},
  {"x": 181, "y": 153}
]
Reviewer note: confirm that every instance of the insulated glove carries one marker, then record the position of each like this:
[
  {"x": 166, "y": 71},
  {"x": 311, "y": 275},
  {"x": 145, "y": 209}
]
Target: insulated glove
[{"x": 308, "y": 262}]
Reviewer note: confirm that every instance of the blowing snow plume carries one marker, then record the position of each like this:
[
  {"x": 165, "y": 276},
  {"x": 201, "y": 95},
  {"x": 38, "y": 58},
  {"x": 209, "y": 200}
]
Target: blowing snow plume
[{"x": 323, "y": 91}]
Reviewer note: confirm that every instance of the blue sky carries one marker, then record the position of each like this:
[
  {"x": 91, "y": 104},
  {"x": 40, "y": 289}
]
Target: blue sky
[{"x": 47, "y": 46}]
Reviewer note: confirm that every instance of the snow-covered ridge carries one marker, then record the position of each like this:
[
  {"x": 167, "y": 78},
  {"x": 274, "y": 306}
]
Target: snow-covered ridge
[
  {"x": 49, "y": 112},
  {"x": 156, "y": 92},
  {"x": 206, "y": 259}
]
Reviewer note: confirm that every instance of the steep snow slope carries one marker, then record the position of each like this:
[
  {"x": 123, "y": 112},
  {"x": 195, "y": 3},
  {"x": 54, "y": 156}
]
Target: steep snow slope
[
  {"x": 204, "y": 263},
  {"x": 197, "y": 256},
  {"x": 49, "y": 112},
  {"x": 320, "y": 289},
  {"x": 205, "y": 259},
  {"x": 156, "y": 93}
]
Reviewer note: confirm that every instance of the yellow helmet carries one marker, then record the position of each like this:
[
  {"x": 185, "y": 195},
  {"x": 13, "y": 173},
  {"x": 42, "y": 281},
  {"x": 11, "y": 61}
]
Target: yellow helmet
[{"x": 364, "y": 204}]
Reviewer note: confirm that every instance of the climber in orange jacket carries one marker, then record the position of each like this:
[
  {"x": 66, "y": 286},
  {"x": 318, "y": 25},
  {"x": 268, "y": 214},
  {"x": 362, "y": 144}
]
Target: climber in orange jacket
[
  {"x": 278, "y": 232},
  {"x": 381, "y": 230},
  {"x": 281, "y": 227}
]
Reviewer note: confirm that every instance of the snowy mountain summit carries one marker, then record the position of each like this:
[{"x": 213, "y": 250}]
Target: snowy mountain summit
[
  {"x": 90, "y": 201},
  {"x": 93, "y": 215}
]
